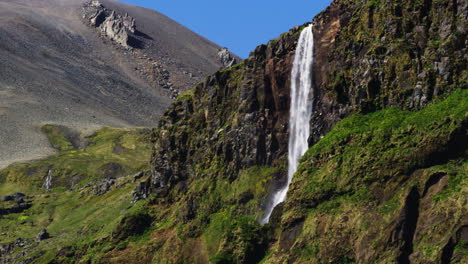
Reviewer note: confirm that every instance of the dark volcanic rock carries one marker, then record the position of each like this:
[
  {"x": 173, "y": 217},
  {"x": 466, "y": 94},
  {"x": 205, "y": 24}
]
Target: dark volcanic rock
[
  {"x": 103, "y": 186},
  {"x": 368, "y": 58},
  {"x": 42, "y": 235},
  {"x": 7, "y": 198},
  {"x": 240, "y": 114},
  {"x": 369, "y": 55}
]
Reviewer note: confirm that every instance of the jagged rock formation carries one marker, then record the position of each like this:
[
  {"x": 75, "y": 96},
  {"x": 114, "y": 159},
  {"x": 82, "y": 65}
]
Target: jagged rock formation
[
  {"x": 15, "y": 203},
  {"x": 121, "y": 29},
  {"x": 226, "y": 58},
  {"x": 43, "y": 235},
  {"x": 114, "y": 26}
]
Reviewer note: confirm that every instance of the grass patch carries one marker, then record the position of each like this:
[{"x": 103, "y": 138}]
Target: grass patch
[
  {"x": 112, "y": 152},
  {"x": 71, "y": 212}
]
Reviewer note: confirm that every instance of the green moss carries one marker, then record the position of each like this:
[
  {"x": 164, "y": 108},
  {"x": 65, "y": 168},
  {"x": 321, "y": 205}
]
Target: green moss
[
  {"x": 353, "y": 181},
  {"x": 23, "y": 218},
  {"x": 219, "y": 222},
  {"x": 374, "y": 4},
  {"x": 308, "y": 252},
  {"x": 254, "y": 180},
  {"x": 70, "y": 211},
  {"x": 112, "y": 152},
  {"x": 458, "y": 180},
  {"x": 57, "y": 137},
  {"x": 367, "y": 144},
  {"x": 461, "y": 248},
  {"x": 235, "y": 239},
  {"x": 390, "y": 205},
  {"x": 186, "y": 96}
]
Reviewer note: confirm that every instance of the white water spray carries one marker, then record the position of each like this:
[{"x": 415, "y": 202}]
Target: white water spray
[
  {"x": 48, "y": 181},
  {"x": 300, "y": 111}
]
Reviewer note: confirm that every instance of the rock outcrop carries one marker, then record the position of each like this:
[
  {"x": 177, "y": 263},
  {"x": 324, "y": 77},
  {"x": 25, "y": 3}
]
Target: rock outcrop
[
  {"x": 226, "y": 58},
  {"x": 16, "y": 203},
  {"x": 43, "y": 235},
  {"x": 114, "y": 26}
]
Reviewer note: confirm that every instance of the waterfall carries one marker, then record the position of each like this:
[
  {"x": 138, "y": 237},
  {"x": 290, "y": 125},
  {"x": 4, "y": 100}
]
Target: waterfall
[
  {"x": 300, "y": 112},
  {"x": 48, "y": 181}
]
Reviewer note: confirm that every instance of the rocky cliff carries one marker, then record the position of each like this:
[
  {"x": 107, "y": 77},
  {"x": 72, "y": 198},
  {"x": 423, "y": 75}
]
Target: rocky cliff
[
  {"x": 384, "y": 165},
  {"x": 375, "y": 54}
]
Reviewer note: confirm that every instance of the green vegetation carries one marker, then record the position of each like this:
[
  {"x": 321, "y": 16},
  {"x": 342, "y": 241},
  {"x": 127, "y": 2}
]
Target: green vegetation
[
  {"x": 458, "y": 180},
  {"x": 235, "y": 239},
  {"x": 376, "y": 174},
  {"x": 374, "y": 4},
  {"x": 384, "y": 143},
  {"x": 57, "y": 136},
  {"x": 110, "y": 152},
  {"x": 355, "y": 181},
  {"x": 74, "y": 216}
]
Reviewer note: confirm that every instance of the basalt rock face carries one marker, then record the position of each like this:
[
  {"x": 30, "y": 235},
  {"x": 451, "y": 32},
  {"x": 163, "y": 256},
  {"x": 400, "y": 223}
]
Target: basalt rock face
[
  {"x": 375, "y": 54},
  {"x": 386, "y": 187},
  {"x": 218, "y": 152},
  {"x": 372, "y": 55},
  {"x": 237, "y": 116},
  {"x": 383, "y": 181}
]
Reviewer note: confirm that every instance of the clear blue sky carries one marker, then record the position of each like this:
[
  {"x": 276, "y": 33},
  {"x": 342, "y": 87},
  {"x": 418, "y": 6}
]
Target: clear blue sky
[{"x": 239, "y": 25}]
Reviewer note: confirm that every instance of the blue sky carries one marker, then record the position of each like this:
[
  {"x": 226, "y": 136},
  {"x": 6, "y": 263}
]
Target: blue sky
[{"x": 239, "y": 25}]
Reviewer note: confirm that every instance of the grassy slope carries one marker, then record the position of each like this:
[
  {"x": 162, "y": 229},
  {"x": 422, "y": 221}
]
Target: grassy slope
[
  {"x": 70, "y": 211},
  {"x": 351, "y": 186},
  {"x": 338, "y": 178}
]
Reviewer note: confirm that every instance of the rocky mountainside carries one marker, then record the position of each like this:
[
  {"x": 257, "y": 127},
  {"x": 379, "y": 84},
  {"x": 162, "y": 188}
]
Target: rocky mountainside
[
  {"x": 85, "y": 64},
  {"x": 384, "y": 181},
  {"x": 231, "y": 130}
]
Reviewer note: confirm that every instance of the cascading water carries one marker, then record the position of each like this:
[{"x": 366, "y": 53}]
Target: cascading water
[
  {"x": 300, "y": 111},
  {"x": 48, "y": 181}
]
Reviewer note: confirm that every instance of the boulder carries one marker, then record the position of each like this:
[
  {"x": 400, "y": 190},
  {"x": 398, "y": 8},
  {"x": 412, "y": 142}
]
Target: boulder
[
  {"x": 104, "y": 186},
  {"x": 42, "y": 235}
]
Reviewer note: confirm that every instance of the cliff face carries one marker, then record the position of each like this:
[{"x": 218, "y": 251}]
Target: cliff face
[
  {"x": 375, "y": 54},
  {"x": 385, "y": 187},
  {"x": 374, "y": 188},
  {"x": 237, "y": 117}
]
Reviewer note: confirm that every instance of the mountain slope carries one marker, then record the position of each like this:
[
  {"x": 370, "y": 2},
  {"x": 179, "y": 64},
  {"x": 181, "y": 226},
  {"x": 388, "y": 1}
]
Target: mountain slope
[{"x": 57, "y": 69}]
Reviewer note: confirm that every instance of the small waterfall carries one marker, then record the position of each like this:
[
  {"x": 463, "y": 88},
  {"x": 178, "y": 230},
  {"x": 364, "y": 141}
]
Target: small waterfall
[
  {"x": 300, "y": 111},
  {"x": 48, "y": 181}
]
